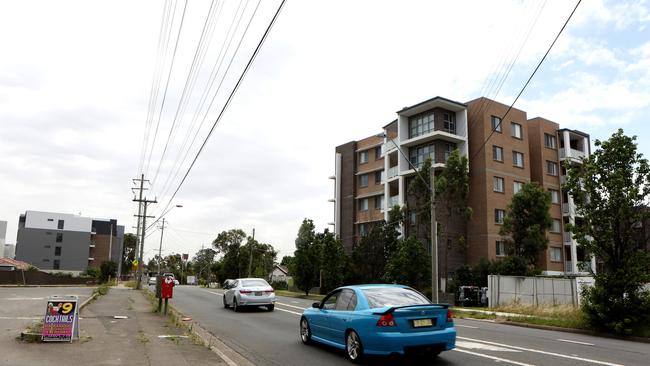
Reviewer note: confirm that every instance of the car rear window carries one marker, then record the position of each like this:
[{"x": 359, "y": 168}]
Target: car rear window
[
  {"x": 253, "y": 283},
  {"x": 393, "y": 296}
]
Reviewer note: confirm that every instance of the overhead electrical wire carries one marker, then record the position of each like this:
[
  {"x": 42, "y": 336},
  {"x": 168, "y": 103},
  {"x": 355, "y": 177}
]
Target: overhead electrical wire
[
  {"x": 230, "y": 97},
  {"x": 527, "y": 82}
]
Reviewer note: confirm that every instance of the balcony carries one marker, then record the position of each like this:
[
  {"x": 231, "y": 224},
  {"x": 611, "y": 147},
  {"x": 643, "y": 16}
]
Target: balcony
[
  {"x": 392, "y": 172},
  {"x": 393, "y": 201},
  {"x": 573, "y": 154},
  {"x": 567, "y": 238},
  {"x": 388, "y": 147},
  {"x": 568, "y": 209}
]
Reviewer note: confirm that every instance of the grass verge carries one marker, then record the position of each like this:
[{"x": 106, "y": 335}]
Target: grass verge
[{"x": 299, "y": 295}]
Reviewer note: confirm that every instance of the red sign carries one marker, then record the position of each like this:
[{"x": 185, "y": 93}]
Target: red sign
[{"x": 167, "y": 288}]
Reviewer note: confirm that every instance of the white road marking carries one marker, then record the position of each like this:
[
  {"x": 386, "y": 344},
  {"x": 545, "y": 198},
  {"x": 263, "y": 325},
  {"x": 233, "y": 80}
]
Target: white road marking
[
  {"x": 497, "y": 359},
  {"x": 466, "y": 326},
  {"x": 576, "y": 342},
  {"x": 542, "y": 352},
  {"x": 172, "y": 336},
  {"x": 287, "y": 311},
  {"x": 20, "y": 318},
  {"x": 292, "y": 306},
  {"x": 23, "y": 298},
  {"x": 484, "y": 347},
  {"x": 295, "y": 302}
]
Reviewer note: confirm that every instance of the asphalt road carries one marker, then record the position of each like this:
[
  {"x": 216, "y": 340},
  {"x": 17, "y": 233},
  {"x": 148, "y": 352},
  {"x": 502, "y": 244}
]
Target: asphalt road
[{"x": 271, "y": 338}]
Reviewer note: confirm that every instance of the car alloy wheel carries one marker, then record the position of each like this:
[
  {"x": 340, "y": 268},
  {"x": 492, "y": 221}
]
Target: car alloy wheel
[
  {"x": 235, "y": 306},
  {"x": 353, "y": 346},
  {"x": 305, "y": 331},
  {"x": 270, "y": 307},
  {"x": 225, "y": 304}
]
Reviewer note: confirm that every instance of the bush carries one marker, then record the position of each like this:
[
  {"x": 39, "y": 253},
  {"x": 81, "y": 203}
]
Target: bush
[
  {"x": 107, "y": 269},
  {"x": 279, "y": 285},
  {"x": 62, "y": 274},
  {"x": 628, "y": 314},
  {"x": 102, "y": 289},
  {"x": 203, "y": 282},
  {"x": 91, "y": 272}
]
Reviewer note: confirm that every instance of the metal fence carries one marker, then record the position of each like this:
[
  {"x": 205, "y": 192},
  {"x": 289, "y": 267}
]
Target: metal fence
[{"x": 505, "y": 290}]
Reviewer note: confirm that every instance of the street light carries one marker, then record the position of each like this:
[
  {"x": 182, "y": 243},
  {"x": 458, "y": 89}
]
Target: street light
[{"x": 162, "y": 231}]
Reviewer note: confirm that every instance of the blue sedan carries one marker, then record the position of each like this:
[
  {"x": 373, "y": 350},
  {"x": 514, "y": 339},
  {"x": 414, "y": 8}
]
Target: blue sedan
[{"x": 379, "y": 320}]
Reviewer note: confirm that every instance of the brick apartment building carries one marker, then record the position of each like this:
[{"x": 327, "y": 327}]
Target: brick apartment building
[
  {"x": 373, "y": 175},
  {"x": 65, "y": 242}
]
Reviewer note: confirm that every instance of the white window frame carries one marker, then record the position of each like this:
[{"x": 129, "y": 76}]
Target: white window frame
[
  {"x": 553, "y": 171},
  {"x": 515, "y": 159},
  {"x": 555, "y": 254},
  {"x": 363, "y": 157},
  {"x": 556, "y": 226},
  {"x": 499, "y": 216},
  {"x": 550, "y": 141},
  {"x": 363, "y": 204},
  {"x": 555, "y": 196},
  {"x": 516, "y": 184},
  {"x": 363, "y": 180},
  {"x": 517, "y": 130},
  {"x": 497, "y": 153},
  {"x": 500, "y": 244},
  {"x": 496, "y": 123},
  {"x": 496, "y": 187}
]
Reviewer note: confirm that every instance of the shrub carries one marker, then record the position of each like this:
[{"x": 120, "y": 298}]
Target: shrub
[
  {"x": 280, "y": 285},
  {"x": 107, "y": 269},
  {"x": 92, "y": 272}
]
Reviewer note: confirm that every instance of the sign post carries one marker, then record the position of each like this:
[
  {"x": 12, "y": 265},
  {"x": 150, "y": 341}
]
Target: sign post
[{"x": 61, "y": 322}]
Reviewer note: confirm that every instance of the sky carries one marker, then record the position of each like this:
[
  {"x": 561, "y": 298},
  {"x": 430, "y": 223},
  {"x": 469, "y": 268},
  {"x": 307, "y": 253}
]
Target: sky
[{"x": 84, "y": 84}]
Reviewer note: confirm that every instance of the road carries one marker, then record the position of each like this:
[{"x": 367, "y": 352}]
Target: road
[{"x": 271, "y": 338}]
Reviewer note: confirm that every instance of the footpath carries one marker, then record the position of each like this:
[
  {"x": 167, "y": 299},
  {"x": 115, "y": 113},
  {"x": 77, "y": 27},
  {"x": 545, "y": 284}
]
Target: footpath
[{"x": 106, "y": 340}]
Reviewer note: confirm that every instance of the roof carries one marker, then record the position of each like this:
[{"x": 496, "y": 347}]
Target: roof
[
  {"x": 8, "y": 262},
  {"x": 434, "y": 99},
  {"x": 283, "y": 269}
]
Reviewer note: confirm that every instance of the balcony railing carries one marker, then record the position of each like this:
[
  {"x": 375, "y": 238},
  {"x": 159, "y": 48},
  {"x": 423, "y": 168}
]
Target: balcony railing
[
  {"x": 388, "y": 147},
  {"x": 393, "y": 201},
  {"x": 567, "y": 237},
  {"x": 573, "y": 153},
  {"x": 393, "y": 172},
  {"x": 568, "y": 266}
]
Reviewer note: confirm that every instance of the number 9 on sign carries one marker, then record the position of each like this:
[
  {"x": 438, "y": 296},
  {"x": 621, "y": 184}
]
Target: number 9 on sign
[{"x": 66, "y": 308}]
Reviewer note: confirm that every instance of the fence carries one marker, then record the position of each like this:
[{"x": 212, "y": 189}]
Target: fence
[
  {"x": 19, "y": 277},
  {"x": 505, "y": 290}
]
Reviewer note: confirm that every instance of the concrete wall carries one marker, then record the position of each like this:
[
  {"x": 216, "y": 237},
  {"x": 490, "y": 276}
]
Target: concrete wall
[
  {"x": 505, "y": 290},
  {"x": 49, "y": 220},
  {"x": 37, "y": 247}
]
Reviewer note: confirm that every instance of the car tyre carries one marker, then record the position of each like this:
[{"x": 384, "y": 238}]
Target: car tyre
[
  {"x": 305, "y": 331},
  {"x": 270, "y": 307},
  {"x": 235, "y": 306},
  {"x": 353, "y": 347},
  {"x": 225, "y": 304}
]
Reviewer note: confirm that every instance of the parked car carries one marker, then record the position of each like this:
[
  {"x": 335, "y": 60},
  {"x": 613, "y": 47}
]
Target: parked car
[
  {"x": 169, "y": 274},
  {"x": 152, "y": 281},
  {"x": 248, "y": 292},
  {"x": 468, "y": 296},
  {"x": 379, "y": 320}
]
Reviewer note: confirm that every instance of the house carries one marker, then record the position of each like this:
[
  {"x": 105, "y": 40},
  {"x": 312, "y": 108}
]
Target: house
[
  {"x": 280, "y": 274},
  {"x": 8, "y": 264}
]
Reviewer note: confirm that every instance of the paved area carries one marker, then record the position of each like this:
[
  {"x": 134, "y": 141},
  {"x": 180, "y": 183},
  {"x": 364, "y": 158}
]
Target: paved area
[{"x": 108, "y": 341}]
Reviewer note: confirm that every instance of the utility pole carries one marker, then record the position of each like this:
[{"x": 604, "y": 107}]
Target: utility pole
[
  {"x": 434, "y": 241},
  {"x": 162, "y": 231},
  {"x": 145, "y": 203},
  {"x": 250, "y": 261},
  {"x": 139, "y": 215}
]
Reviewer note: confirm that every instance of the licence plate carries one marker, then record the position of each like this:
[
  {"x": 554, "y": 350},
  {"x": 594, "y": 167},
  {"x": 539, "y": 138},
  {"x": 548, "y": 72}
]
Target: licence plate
[
  {"x": 258, "y": 293},
  {"x": 418, "y": 323}
]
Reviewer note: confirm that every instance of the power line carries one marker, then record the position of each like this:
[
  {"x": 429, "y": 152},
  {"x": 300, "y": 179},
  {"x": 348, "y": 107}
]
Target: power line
[
  {"x": 232, "y": 94},
  {"x": 498, "y": 125}
]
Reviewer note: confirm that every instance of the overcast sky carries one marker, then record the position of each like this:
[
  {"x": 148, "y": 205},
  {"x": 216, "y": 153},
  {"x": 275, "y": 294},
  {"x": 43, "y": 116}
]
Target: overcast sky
[{"x": 76, "y": 81}]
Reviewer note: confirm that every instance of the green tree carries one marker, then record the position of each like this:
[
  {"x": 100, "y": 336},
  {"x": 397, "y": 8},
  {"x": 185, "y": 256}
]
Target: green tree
[
  {"x": 452, "y": 192},
  {"x": 306, "y": 263},
  {"x": 610, "y": 189},
  {"x": 128, "y": 251},
  {"x": 332, "y": 260},
  {"x": 202, "y": 260},
  {"x": 525, "y": 224},
  {"x": 420, "y": 203},
  {"x": 410, "y": 264},
  {"x": 229, "y": 243},
  {"x": 108, "y": 270},
  {"x": 286, "y": 261}
]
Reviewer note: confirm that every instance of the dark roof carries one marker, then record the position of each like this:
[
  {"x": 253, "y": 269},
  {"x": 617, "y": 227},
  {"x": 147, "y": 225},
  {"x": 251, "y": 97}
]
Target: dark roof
[
  {"x": 431, "y": 100},
  {"x": 574, "y": 131}
]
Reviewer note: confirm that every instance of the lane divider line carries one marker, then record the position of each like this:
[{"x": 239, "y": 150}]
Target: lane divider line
[
  {"x": 542, "y": 352},
  {"x": 466, "y": 326},
  {"x": 576, "y": 342},
  {"x": 291, "y": 306},
  {"x": 497, "y": 359},
  {"x": 288, "y": 311}
]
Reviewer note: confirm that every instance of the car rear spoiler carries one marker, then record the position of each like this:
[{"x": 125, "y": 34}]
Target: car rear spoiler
[{"x": 393, "y": 308}]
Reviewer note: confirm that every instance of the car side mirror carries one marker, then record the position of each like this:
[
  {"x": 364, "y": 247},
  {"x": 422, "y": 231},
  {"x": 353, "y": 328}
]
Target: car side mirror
[{"x": 316, "y": 305}]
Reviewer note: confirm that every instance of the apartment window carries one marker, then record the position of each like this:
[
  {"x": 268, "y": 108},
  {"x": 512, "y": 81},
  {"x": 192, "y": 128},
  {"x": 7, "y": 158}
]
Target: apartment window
[
  {"x": 60, "y": 225},
  {"x": 550, "y": 141},
  {"x": 50, "y": 219},
  {"x": 448, "y": 150},
  {"x": 449, "y": 122},
  {"x": 363, "y": 180},
  {"x": 378, "y": 176},
  {"x": 496, "y": 124},
  {"x": 363, "y": 204},
  {"x": 551, "y": 167},
  {"x": 57, "y": 251},
  {"x": 57, "y": 264},
  {"x": 498, "y": 184},
  {"x": 556, "y": 254},
  {"x": 555, "y": 196},
  {"x": 555, "y": 226},
  {"x": 420, "y": 124},
  {"x": 47, "y": 246},
  {"x": 518, "y": 159},
  {"x": 46, "y": 260},
  {"x": 499, "y": 215},
  {"x": 363, "y": 157},
  {"x": 48, "y": 233},
  {"x": 517, "y": 186},
  {"x": 497, "y": 153},
  {"x": 377, "y": 152},
  {"x": 516, "y": 130},
  {"x": 420, "y": 153},
  {"x": 379, "y": 202},
  {"x": 59, "y": 237},
  {"x": 363, "y": 229},
  {"x": 501, "y": 248}
]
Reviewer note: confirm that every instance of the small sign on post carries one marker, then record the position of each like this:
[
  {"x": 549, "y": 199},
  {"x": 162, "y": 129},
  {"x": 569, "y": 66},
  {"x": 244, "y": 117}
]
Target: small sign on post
[{"x": 61, "y": 322}]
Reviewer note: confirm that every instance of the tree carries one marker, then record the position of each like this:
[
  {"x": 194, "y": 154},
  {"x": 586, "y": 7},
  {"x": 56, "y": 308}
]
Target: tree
[
  {"x": 452, "y": 193},
  {"x": 332, "y": 261},
  {"x": 306, "y": 263},
  {"x": 202, "y": 260},
  {"x": 108, "y": 270},
  {"x": 610, "y": 189},
  {"x": 286, "y": 261},
  {"x": 410, "y": 264},
  {"x": 228, "y": 243},
  {"x": 525, "y": 223},
  {"x": 420, "y": 192},
  {"x": 128, "y": 251}
]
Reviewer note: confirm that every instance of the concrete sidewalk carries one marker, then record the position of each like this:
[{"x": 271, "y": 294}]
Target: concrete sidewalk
[{"x": 108, "y": 341}]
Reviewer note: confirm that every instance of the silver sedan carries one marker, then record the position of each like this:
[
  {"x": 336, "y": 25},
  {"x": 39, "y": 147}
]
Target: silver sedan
[{"x": 248, "y": 292}]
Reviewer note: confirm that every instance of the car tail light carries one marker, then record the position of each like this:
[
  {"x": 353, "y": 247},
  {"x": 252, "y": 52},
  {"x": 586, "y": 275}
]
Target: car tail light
[
  {"x": 268, "y": 291},
  {"x": 245, "y": 291},
  {"x": 386, "y": 320},
  {"x": 450, "y": 316}
]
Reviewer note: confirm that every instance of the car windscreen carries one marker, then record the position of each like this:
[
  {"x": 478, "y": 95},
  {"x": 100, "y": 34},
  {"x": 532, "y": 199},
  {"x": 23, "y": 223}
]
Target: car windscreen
[
  {"x": 253, "y": 283},
  {"x": 380, "y": 297}
]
